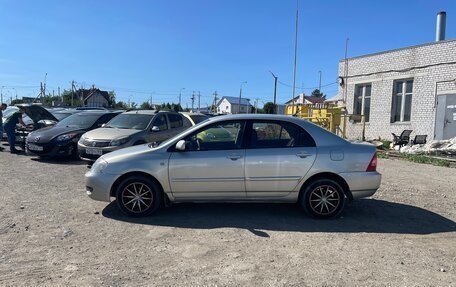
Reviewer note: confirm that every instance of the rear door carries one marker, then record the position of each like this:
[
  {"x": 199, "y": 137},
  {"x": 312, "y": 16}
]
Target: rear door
[
  {"x": 278, "y": 155},
  {"x": 176, "y": 124}
]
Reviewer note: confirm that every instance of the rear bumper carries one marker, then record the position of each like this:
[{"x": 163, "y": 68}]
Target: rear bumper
[{"x": 362, "y": 184}]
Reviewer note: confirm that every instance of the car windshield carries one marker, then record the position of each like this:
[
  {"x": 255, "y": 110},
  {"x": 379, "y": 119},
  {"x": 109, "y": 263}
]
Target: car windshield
[
  {"x": 60, "y": 116},
  {"x": 78, "y": 120},
  {"x": 130, "y": 121},
  {"x": 198, "y": 118}
]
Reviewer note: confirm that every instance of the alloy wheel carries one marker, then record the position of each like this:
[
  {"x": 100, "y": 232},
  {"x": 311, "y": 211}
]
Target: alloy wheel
[
  {"x": 137, "y": 197},
  {"x": 324, "y": 200}
]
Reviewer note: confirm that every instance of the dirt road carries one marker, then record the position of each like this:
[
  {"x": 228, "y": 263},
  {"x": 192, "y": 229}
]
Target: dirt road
[{"x": 51, "y": 234}]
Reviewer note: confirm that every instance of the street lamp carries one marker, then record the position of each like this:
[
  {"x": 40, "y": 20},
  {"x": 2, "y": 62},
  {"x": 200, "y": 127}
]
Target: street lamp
[
  {"x": 180, "y": 95},
  {"x": 240, "y": 95}
]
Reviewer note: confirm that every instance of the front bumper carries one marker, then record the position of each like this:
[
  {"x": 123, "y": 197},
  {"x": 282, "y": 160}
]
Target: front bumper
[
  {"x": 362, "y": 184},
  {"x": 82, "y": 151},
  {"x": 98, "y": 186},
  {"x": 52, "y": 149}
]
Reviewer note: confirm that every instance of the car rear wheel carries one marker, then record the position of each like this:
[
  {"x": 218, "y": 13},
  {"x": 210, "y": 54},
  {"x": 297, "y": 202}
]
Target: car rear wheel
[
  {"x": 138, "y": 196},
  {"x": 323, "y": 198}
]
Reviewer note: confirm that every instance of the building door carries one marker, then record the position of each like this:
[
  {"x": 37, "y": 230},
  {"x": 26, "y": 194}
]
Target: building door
[{"x": 445, "y": 124}]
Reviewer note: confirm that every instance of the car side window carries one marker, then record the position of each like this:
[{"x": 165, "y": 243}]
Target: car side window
[
  {"x": 175, "y": 121},
  {"x": 278, "y": 134},
  {"x": 160, "y": 122},
  {"x": 105, "y": 118},
  {"x": 218, "y": 136},
  {"x": 187, "y": 122}
]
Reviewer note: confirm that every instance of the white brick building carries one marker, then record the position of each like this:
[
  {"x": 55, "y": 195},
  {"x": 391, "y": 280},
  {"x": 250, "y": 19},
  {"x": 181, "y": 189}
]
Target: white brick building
[{"x": 395, "y": 90}]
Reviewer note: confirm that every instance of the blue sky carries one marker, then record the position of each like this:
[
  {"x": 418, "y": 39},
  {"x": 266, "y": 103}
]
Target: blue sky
[{"x": 142, "y": 48}]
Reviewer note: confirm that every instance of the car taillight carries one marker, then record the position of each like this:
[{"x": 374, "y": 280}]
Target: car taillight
[{"x": 373, "y": 163}]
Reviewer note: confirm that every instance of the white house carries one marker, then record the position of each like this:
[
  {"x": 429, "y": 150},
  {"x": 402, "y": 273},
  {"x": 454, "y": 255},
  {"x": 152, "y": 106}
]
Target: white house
[{"x": 230, "y": 105}]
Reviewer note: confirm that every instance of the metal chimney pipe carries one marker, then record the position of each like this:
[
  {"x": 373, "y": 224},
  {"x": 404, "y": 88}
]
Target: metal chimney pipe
[{"x": 441, "y": 24}]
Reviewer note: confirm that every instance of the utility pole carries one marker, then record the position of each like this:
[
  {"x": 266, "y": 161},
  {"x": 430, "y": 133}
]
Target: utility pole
[
  {"x": 240, "y": 96},
  {"x": 214, "y": 107},
  {"x": 1, "y": 95},
  {"x": 72, "y": 93},
  {"x": 345, "y": 71},
  {"x": 193, "y": 100},
  {"x": 256, "y": 105},
  {"x": 319, "y": 84},
  {"x": 275, "y": 92},
  {"x": 180, "y": 95},
  {"x": 295, "y": 56},
  {"x": 151, "y": 105},
  {"x": 199, "y": 101}
]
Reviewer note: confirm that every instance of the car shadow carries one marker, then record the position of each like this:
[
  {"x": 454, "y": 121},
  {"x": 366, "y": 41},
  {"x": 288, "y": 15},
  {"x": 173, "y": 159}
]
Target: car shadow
[
  {"x": 367, "y": 215},
  {"x": 59, "y": 160}
]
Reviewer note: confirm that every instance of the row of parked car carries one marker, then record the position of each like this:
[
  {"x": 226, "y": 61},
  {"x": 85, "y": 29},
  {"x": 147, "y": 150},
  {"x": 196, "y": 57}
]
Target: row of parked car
[
  {"x": 244, "y": 157},
  {"x": 92, "y": 132}
]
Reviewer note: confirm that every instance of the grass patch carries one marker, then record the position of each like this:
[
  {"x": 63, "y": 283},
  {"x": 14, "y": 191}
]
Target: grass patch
[
  {"x": 382, "y": 155},
  {"x": 419, "y": 158}
]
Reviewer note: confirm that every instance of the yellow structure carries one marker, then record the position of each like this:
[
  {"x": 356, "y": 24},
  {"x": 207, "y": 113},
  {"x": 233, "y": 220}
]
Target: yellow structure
[{"x": 333, "y": 119}]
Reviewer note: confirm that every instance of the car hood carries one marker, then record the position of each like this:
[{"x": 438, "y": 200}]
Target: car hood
[
  {"x": 38, "y": 113},
  {"x": 48, "y": 133},
  {"x": 110, "y": 133}
]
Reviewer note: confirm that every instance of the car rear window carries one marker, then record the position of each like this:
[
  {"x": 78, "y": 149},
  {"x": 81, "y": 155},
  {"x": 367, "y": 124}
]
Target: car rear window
[
  {"x": 198, "y": 118},
  {"x": 278, "y": 134}
]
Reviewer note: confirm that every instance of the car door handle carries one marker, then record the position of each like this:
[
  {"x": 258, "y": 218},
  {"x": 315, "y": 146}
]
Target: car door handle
[
  {"x": 234, "y": 156},
  {"x": 303, "y": 154}
]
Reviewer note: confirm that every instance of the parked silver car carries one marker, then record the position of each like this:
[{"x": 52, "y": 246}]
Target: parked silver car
[
  {"x": 239, "y": 158},
  {"x": 131, "y": 128}
]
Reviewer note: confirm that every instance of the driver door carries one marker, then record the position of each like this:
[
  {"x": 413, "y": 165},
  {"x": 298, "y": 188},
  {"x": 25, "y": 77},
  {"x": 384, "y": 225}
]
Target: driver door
[{"x": 212, "y": 164}]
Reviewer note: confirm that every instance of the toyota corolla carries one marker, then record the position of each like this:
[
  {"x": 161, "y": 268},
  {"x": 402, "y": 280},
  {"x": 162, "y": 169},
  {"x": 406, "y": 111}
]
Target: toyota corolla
[{"x": 239, "y": 158}]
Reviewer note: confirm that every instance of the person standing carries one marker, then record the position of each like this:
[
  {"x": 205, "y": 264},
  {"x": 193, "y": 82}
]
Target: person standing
[
  {"x": 10, "y": 128},
  {"x": 2, "y": 108}
]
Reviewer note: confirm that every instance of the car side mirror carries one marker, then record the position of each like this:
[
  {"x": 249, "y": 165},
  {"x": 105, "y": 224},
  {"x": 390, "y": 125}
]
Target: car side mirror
[
  {"x": 102, "y": 125},
  {"x": 155, "y": 129},
  {"x": 180, "y": 145}
]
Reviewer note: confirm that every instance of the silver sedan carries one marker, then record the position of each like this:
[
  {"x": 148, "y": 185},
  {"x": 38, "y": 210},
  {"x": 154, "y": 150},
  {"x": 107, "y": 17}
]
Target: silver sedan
[{"x": 239, "y": 158}]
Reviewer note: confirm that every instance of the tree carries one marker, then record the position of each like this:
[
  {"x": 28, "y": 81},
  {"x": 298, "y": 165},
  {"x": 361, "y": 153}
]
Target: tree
[
  {"x": 120, "y": 106},
  {"x": 318, "y": 94},
  {"x": 268, "y": 108},
  {"x": 111, "y": 98},
  {"x": 145, "y": 106},
  {"x": 176, "y": 107}
]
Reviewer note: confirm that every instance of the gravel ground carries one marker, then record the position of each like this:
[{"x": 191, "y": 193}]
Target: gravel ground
[{"x": 51, "y": 234}]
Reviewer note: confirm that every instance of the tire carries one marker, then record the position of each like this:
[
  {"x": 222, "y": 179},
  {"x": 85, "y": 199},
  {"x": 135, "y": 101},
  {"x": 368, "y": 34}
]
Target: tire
[
  {"x": 138, "y": 196},
  {"x": 323, "y": 198}
]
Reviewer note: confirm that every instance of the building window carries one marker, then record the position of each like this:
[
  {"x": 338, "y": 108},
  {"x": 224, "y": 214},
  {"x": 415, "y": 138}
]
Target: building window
[
  {"x": 362, "y": 102},
  {"x": 402, "y": 101}
]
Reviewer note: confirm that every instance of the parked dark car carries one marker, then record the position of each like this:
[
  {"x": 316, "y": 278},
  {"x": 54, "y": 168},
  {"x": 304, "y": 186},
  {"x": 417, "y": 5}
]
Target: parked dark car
[
  {"x": 62, "y": 139},
  {"x": 64, "y": 113},
  {"x": 35, "y": 117}
]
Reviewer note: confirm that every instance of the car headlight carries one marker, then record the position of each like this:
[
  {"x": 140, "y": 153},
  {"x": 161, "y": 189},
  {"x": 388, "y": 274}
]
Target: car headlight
[
  {"x": 120, "y": 141},
  {"x": 99, "y": 166},
  {"x": 66, "y": 137}
]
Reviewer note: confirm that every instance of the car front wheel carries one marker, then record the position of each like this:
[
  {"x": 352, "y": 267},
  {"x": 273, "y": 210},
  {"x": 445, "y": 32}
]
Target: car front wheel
[
  {"x": 138, "y": 196},
  {"x": 323, "y": 198}
]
